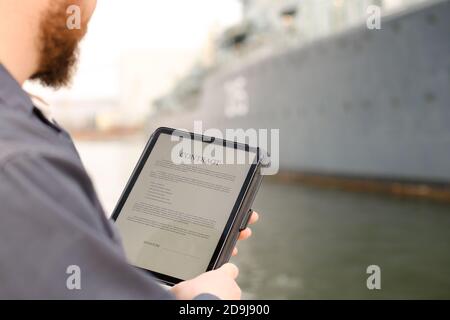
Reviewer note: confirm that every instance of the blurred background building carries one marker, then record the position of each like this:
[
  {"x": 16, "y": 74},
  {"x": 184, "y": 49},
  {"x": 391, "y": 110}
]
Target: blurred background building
[{"x": 358, "y": 110}]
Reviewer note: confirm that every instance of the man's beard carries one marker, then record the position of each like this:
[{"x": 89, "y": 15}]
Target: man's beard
[{"x": 58, "y": 48}]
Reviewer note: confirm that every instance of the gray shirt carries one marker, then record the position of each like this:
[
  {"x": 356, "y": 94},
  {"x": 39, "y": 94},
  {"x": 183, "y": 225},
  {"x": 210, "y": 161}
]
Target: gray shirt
[{"x": 50, "y": 217}]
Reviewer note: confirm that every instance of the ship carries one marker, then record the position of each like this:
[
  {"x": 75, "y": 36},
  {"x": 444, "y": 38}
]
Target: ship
[{"x": 369, "y": 107}]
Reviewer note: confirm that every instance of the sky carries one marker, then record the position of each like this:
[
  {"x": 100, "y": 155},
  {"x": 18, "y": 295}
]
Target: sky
[{"x": 150, "y": 39}]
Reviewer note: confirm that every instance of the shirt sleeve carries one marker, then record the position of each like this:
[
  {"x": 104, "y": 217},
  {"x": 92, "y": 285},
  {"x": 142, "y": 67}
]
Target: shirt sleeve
[{"x": 51, "y": 228}]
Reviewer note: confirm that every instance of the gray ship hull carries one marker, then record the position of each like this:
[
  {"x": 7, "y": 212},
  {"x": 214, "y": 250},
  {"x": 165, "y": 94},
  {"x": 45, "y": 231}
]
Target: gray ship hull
[{"x": 365, "y": 103}]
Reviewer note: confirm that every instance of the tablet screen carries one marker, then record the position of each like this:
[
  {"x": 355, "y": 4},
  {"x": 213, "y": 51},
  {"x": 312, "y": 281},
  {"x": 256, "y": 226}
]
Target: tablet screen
[{"x": 177, "y": 210}]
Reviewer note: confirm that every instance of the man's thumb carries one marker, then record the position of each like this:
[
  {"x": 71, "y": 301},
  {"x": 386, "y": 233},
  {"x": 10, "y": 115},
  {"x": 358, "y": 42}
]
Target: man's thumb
[{"x": 230, "y": 269}]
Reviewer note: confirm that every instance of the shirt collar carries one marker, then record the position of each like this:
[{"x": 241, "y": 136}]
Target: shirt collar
[{"x": 12, "y": 94}]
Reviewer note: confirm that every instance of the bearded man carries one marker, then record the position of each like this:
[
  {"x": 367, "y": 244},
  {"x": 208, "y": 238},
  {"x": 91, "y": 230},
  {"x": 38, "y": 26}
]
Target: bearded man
[{"x": 50, "y": 218}]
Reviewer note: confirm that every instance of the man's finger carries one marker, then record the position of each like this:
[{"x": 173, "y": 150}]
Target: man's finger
[
  {"x": 245, "y": 234},
  {"x": 235, "y": 251},
  {"x": 230, "y": 269},
  {"x": 254, "y": 217}
]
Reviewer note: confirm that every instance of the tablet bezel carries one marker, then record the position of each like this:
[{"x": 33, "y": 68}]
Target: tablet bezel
[{"x": 199, "y": 137}]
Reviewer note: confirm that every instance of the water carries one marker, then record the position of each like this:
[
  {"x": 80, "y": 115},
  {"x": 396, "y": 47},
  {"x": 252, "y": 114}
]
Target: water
[{"x": 314, "y": 243}]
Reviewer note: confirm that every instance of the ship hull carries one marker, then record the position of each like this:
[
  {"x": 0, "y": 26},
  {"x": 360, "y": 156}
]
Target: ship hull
[{"x": 363, "y": 103}]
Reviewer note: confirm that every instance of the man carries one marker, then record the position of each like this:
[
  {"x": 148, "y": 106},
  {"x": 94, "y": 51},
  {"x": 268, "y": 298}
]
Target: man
[{"x": 50, "y": 217}]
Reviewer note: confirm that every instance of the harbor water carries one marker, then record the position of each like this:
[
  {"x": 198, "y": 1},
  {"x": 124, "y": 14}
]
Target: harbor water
[{"x": 313, "y": 243}]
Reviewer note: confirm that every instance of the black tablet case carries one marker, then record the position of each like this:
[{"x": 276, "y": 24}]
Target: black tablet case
[{"x": 241, "y": 219}]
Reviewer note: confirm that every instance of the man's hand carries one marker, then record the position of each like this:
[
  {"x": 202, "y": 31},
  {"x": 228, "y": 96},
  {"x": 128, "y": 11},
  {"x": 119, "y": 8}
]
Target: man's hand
[
  {"x": 247, "y": 232},
  {"x": 220, "y": 282}
]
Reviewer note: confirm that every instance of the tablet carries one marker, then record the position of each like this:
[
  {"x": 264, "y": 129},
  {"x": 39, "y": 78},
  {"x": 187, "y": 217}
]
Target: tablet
[{"x": 186, "y": 202}]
